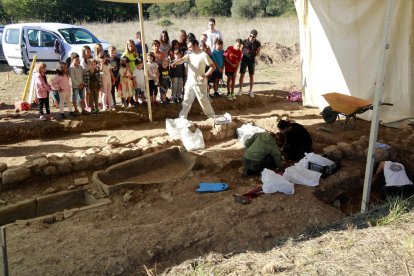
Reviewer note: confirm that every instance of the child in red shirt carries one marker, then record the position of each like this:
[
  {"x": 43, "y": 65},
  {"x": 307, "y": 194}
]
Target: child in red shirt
[{"x": 232, "y": 58}]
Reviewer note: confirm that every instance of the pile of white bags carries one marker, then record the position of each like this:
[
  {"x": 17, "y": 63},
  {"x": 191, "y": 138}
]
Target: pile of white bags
[
  {"x": 273, "y": 182},
  {"x": 246, "y": 131},
  {"x": 179, "y": 129},
  {"x": 300, "y": 175},
  {"x": 314, "y": 158}
]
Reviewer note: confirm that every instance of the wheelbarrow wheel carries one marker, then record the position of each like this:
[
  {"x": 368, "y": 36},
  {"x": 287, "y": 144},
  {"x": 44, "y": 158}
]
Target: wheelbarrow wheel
[{"x": 329, "y": 115}]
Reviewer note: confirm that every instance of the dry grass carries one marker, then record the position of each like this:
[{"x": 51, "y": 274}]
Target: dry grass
[
  {"x": 283, "y": 30},
  {"x": 382, "y": 250}
]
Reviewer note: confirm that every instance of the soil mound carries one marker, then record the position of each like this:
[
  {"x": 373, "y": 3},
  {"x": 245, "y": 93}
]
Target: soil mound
[{"x": 277, "y": 53}]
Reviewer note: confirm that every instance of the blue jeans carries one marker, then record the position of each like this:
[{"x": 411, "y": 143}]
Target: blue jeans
[{"x": 78, "y": 95}]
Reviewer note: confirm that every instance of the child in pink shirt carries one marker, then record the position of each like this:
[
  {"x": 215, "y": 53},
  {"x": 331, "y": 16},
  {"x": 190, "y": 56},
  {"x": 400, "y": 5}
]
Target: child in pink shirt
[
  {"x": 61, "y": 83},
  {"x": 42, "y": 90}
]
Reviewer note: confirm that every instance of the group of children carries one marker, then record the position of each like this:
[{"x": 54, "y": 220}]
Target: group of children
[{"x": 87, "y": 84}]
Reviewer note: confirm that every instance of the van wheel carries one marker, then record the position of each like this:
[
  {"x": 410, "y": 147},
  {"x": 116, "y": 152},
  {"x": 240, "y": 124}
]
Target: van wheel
[{"x": 20, "y": 70}]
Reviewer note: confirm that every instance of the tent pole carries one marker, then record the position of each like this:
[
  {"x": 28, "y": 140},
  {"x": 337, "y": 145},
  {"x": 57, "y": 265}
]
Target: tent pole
[
  {"x": 379, "y": 88},
  {"x": 144, "y": 56}
]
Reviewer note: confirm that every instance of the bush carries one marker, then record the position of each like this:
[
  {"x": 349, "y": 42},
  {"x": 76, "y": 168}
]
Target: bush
[{"x": 164, "y": 22}]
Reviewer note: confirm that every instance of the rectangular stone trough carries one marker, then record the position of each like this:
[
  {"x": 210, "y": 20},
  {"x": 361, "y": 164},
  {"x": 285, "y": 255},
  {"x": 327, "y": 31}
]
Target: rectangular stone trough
[
  {"x": 154, "y": 168},
  {"x": 49, "y": 204}
]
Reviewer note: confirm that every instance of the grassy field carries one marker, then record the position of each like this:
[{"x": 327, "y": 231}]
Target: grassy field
[{"x": 283, "y": 30}]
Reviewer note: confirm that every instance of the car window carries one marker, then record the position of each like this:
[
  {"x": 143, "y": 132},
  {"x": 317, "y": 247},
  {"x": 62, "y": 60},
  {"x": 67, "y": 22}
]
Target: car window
[
  {"x": 48, "y": 39},
  {"x": 12, "y": 36},
  {"x": 78, "y": 36},
  {"x": 33, "y": 36}
]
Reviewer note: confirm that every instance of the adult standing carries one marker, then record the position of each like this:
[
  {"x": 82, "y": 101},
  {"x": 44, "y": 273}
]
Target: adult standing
[
  {"x": 251, "y": 48},
  {"x": 196, "y": 85},
  {"x": 212, "y": 33}
]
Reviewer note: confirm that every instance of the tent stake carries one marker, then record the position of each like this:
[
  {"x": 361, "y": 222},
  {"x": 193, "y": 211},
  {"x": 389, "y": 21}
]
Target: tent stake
[
  {"x": 144, "y": 57},
  {"x": 4, "y": 251}
]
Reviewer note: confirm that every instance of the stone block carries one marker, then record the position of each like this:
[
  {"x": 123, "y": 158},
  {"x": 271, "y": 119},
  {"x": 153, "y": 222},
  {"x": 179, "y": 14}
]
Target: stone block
[
  {"x": 3, "y": 167},
  {"x": 15, "y": 175},
  {"x": 35, "y": 156},
  {"x": 333, "y": 151},
  {"x": 50, "y": 170}
]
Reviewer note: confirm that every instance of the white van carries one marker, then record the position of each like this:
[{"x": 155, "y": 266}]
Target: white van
[{"x": 22, "y": 41}]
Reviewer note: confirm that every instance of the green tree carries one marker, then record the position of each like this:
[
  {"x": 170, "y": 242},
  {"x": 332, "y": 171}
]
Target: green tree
[
  {"x": 213, "y": 7},
  {"x": 261, "y": 8},
  {"x": 246, "y": 8},
  {"x": 157, "y": 11}
]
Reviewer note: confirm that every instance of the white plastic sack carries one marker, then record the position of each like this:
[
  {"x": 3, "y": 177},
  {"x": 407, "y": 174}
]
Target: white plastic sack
[
  {"x": 174, "y": 127},
  {"x": 192, "y": 141},
  {"x": 223, "y": 119},
  {"x": 273, "y": 182},
  {"x": 314, "y": 158},
  {"x": 246, "y": 131},
  {"x": 299, "y": 175}
]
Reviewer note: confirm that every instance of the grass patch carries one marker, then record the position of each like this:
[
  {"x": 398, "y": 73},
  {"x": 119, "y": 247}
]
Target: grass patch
[{"x": 397, "y": 206}]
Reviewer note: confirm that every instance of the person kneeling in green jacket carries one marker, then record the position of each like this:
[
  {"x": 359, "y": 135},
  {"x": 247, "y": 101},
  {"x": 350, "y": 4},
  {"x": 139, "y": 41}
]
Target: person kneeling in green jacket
[{"x": 263, "y": 151}]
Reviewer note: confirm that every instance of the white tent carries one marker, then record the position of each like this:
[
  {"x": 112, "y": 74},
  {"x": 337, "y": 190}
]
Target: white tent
[
  {"x": 141, "y": 23},
  {"x": 363, "y": 49},
  {"x": 340, "y": 48}
]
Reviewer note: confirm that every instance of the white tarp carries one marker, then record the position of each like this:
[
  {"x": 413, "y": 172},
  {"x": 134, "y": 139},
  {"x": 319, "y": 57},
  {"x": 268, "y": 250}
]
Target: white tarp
[{"x": 340, "y": 44}]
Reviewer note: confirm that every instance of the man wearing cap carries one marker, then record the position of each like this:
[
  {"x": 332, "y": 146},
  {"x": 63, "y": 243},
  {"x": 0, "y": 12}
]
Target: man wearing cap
[
  {"x": 251, "y": 48},
  {"x": 212, "y": 33},
  {"x": 196, "y": 84}
]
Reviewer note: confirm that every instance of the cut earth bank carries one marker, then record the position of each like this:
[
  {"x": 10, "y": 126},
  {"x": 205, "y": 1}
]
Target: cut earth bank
[{"x": 162, "y": 225}]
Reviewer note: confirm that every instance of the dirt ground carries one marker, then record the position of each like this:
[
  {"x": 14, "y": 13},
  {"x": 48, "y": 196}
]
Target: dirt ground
[{"x": 163, "y": 225}]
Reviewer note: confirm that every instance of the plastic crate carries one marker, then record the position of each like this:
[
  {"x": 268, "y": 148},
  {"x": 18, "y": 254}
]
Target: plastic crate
[{"x": 325, "y": 170}]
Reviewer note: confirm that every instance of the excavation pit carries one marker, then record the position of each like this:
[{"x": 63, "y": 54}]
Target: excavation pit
[
  {"x": 42, "y": 206},
  {"x": 154, "y": 168}
]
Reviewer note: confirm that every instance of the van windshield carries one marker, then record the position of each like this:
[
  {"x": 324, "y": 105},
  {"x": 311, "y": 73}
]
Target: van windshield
[{"x": 78, "y": 36}]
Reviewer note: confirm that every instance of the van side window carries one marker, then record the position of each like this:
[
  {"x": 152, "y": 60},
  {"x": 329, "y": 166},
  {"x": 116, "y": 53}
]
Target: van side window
[
  {"x": 34, "y": 37},
  {"x": 48, "y": 39},
  {"x": 12, "y": 36}
]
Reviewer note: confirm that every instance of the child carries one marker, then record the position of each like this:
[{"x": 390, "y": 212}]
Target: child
[
  {"x": 182, "y": 41},
  {"x": 165, "y": 43},
  {"x": 42, "y": 90},
  {"x": 139, "y": 81},
  {"x": 159, "y": 56},
  {"x": 78, "y": 92},
  {"x": 203, "y": 44},
  {"x": 130, "y": 53},
  {"x": 97, "y": 50},
  {"x": 93, "y": 83},
  {"x": 114, "y": 63},
  {"x": 218, "y": 58},
  {"x": 177, "y": 77},
  {"x": 164, "y": 73},
  {"x": 232, "y": 58},
  {"x": 107, "y": 77},
  {"x": 126, "y": 85},
  {"x": 174, "y": 46},
  {"x": 152, "y": 76},
  {"x": 61, "y": 83},
  {"x": 86, "y": 56}
]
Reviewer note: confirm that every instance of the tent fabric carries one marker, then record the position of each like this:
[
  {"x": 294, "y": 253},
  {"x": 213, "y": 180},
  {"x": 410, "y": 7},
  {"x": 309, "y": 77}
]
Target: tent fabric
[{"x": 340, "y": 46}]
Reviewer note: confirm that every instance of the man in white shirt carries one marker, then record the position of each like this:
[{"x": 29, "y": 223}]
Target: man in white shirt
[
  {"x": 212, "y": 33},
  {"x": 196, "y": 84}
]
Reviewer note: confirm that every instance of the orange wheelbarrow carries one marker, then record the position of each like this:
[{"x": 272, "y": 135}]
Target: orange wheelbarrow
[{"x": 348, "y": 106}]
